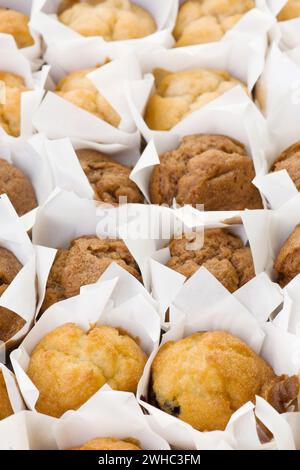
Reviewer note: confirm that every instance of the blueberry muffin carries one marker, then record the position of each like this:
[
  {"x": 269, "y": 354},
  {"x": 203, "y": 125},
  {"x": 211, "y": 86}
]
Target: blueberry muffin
[
  {"x": 110, "y": 180},
  {"x": 289, "y": 160},
  {"x": 68, "y": 366},
  {"x": 5, "y": 405},
  {"x": 213, "y": 170},
  {"x": 108, "y": 443},
  {"x": 178, "y": 94},
  {"x": 16, "y": 23},
  {"x": 287, "y": 263},
  {"x": 114, "y": 20},
  {"x": 204, "y": 378},
  {"x": 202, "y": 21},
  {"x": 10, "y": 102},
  {"x": 80, "y": 91},
  {"x": 83, "y": 263},
  {"x": 290, "y": 11}
]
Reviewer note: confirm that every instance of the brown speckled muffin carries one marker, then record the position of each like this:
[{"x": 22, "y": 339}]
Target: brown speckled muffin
[
  {"x": 110, "y": 180},
  {"x": 108, "y": 443},
  {"x": 289, "y": 160},
  {"x": 83, "y": 263},
  {"x": 5, "y": 405},
  {"x": 223, "y": 254},
  {"x": 213, "y": 170},
  {"x": 287, "y": 263}
]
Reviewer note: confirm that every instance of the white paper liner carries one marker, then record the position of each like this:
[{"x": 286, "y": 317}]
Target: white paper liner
[
  {"x": 284, "y": 33},
  {"x": 288, "y": 319},
  {"x": 13, "y": 391},
  {"x": 221, "y": 311}
]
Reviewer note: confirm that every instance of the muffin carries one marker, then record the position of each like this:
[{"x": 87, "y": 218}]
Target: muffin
[
  {"x": 10, "y": 106},
  {"x": 110, "y": 180},
  {"x": 290, "y": 11},
  {"x": 289, "y": 160},
  {"x": 177, "y": 94},
  {"x": 80, "y": 91},
  {"x": 16, "y": 23},
  {"x": 68, "y": 366},
  {"x": 83, "y": 263},
  {"x": 108, "y": 443},
  {"x": 287, "y": 263},
  {"x": 213, "y": 170},
  {"x": 114, "y": 20},
  {"x": 204, "y": 378},
  {"x": 5, "y": 405},
  {"x": 223, "y": 255},
  {"x": 10, "y": 322},
  {"x": 202, "y": 21}
]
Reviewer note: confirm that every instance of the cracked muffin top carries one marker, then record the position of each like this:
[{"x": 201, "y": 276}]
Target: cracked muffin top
[
  {"x": 202, "y": 21},
  {"x": 83, "y": 263},
  {"x": 5, "y": 405},
  {"x": 178, "y": 94},
  {"x": 205, "y": 169},
  {"x": 16, "y": 23},
  {"x": 110, "y": 180},
  {"x": 10, "y": 109},
  {"x": 290, "y": 11},
  {"x": 108, "y": 443},
  {"x": 204, "y": 378},
  {"x": 223, "y": 255},
  {"x": 287, "y": 263},
  {"x": 80, "y": 91},
  {"x": 68, "y": 366},
  {"x": 289, "y": 160},
  {"x": 114, "y": 20}
]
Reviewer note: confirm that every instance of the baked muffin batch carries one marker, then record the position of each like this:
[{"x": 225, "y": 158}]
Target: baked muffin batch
[{"x": 205, "y": 376}]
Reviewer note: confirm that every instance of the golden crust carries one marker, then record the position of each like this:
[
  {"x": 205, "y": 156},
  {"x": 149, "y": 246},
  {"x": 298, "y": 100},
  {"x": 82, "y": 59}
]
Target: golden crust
[
  {"x": 199, "y": 22},
  {"x": 287, "y": 263},
  {"x": 114, "y": 20},
  {"x": 290, "y": 11},
  {"x": 5, "y": 405},
  {"x": 289, "y": 160},
  {"x": 16, "y": 23},
  {"x": 10, "y": 110},
  {"x": 108, "y": 443},
  {"x": 178, "y": 94},
  {"x": 68, "y": 366},
  {"x": 204, "y": 378},
  {"x": 81, "y": 92}
]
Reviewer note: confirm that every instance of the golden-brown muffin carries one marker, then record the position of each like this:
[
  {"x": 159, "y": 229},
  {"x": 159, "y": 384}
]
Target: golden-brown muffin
[
  {"x": 114, "y": 20},
  {"x": 83, "y": 263},
  {"x": 16, "y": 23},
  {"x": 202, "y": 21},
  {"x": 223, "y": 255},
  {"x": 110, "y": 180},
  {"x": 108, "y": 443},
  {"x": 81, "y": 92},
  {"x": 10, "y": 107},
  {"x": 18, "y": 188},
  {"x": 68, "y": 366},
  {"x": 5, "y": 405},
  {"x": 178, "y": 94},
  {"x": 287, "y": 263},
  {"x": 213, "y": 170},
  {"x": 290, "y": 11},
  {"x": 204, "y": 378},
  {"x": 10, "y": 322},
  {"x": 289, "y": 160}
]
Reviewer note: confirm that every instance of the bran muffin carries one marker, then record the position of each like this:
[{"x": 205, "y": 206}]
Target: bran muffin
[
  {"x": 5, "y": 405},
  {"x": 290, "y": 11},
  {"x": 204, "y": 378},
  {"x": 16, "y": 23},
  {"x": 10, "y": 109},
  {"x": 108, "y": 443},
  {"x": 287, "y": 263},
  {"x": 68, "y": 366},
  {"x": 213, "y": 170},
  {"x": 289, "y": 160},
  {"x": 110, "y": 180}
]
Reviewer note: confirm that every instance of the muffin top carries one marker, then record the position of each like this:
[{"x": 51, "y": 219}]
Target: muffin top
[
  {"x": 81, "y": 92},
  {"x": 287, "y": 263},
  {"x": 289, "y": 160},
  {"x": 16, "y": 23},
  {"x": 83, "y": 263},
  {"x": 114, "y": 20},
  {"x": 204, "y": 378},
  {"x": 68, "y": 366},
  {"x": 178, "y": 94},
  {"x": 110, "y": 180},
  {"x": 5, "y": 405},
  {"x": 223, "y": 255},
  {"x": 205, "y": 169},
  {"x": 10, "y": 110},
  {"x": 290, "y": 11},
  {"x": 202, "y": 21},
  {"x": 108, "y": 443}
]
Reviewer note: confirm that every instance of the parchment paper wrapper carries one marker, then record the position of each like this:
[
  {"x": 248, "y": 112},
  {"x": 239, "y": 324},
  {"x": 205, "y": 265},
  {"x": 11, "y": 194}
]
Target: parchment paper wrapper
[
  {"x": 13, "y": 61},
  {"x": 285, "y": 33},
  {"x": 288, "y": 318},
  {"x": 117, "y": 302},
  {"x": 13, "y": 391},
  {"x": 222, "y": 311}
]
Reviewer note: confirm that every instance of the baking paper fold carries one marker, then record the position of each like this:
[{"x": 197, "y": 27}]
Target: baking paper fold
[
  {"x": 205, "y": 305},
  {"x": 13, "y": 391},
  {"x": 284, "y": 33}
]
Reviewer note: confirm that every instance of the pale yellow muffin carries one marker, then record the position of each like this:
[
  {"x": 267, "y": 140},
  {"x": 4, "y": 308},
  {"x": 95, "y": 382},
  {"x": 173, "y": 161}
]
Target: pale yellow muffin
[
  {"x": 81, "y": 92},
  {"x": 5, "y": 405},
  {"x": 68, "y": 366},
  {"x": 290, "y": 11},
  {"x": 16, "y": 23},
  {"x": 11, "y": 88},
  {"x": 108, "y": 443},
  {"x": 114, "y": 20},
  {"x": 202, "y": 21}
]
